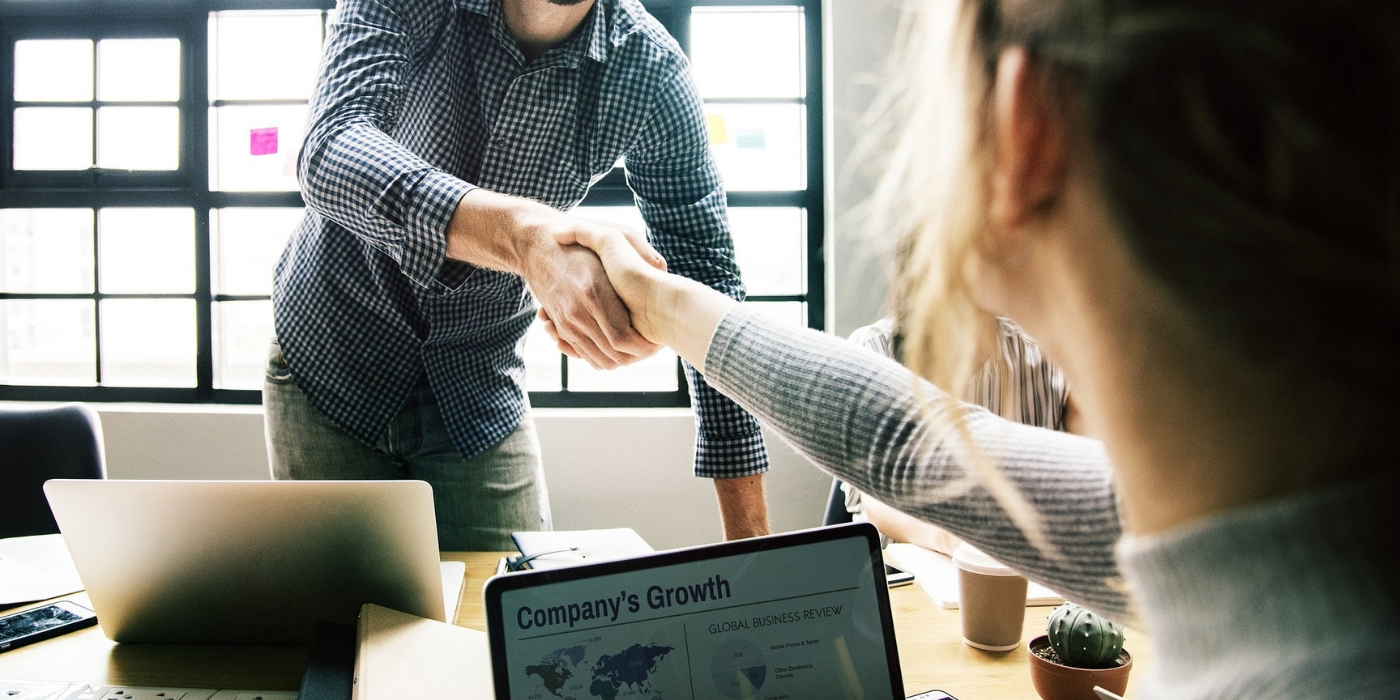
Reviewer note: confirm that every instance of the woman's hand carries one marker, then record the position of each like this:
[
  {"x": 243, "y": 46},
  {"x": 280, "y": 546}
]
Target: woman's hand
[
  {"x": 666, "y": 309},
  {"x": 516, "y": 235},
  {"x": 632, "y": 250},
  {"x": 634, "y": 267}
]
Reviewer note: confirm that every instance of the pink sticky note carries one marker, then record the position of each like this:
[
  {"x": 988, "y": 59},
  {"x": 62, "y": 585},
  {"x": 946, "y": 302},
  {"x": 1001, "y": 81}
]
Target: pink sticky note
[{"x": 262, "y": 142}]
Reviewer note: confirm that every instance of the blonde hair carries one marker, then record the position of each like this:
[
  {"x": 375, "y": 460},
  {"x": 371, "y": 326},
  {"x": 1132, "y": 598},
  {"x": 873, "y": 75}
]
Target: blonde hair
[
  {"x": 1249, "y": 154},
  {"x": 928, "y": 124},
  {"x": 933, "y": 192}
]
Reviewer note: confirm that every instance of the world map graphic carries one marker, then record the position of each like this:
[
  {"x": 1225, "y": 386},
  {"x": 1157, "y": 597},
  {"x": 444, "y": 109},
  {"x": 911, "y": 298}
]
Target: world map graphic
[{"x": 629, "y": 669}]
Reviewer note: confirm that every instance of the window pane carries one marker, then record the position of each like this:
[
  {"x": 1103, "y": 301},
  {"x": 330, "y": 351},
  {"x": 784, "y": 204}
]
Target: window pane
[
  {"x": 747, "y": 52},
  {"x": 542, "y": 371},
  {"x": 47, "y": 341},
  {"x": 255, "y": 147},
  {"x": 148, "y": 342},
  {"x": 242, "y": 331},
  {"x": 263, "y": 55},
  {"x": 656, "y": 373},
  {"x": 138, "y": 138},
  {"x": 768, "y": 244},
  {"x": 145, "y": 251},
  {"x": 138, "y": 70},
  {"x": 53, "y": 138},
  {"x": 53, "y": 70},
  {"x": 759, "y": 147},
  {"x": 46, "y": 251},
  {"x": 789, "y": 312},
  {"x": 625, "y": 216},
  {"x": 247, "y": 244}
]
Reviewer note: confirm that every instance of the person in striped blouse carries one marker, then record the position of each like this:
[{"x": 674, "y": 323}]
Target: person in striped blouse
[{"x": 1017, "y": 383}]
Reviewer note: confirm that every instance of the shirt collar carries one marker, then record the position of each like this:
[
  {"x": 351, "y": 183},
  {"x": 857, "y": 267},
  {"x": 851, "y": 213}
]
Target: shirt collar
[
  {"x": 481, "y": 7},
  {"x": 609, "y": 24}
]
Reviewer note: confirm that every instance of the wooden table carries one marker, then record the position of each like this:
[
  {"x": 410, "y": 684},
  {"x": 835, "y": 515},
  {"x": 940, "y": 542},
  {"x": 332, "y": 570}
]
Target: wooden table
[{"x": 931, "y": 652}]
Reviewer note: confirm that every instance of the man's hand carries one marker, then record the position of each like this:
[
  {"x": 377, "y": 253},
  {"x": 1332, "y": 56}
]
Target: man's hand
[
  {"x": 581, "y": 308},
  {"x": 638, "y": 246},
  {"x": 742, "y": 507},
  {"x": 665, "y": 308},
  {"x": 636, "y": 279},
  {"x": 521, "y": 236}
]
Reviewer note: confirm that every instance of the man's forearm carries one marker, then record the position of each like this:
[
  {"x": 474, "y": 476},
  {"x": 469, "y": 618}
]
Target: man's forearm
[
  {"x": 496, "y": 231},
  {"x": 742, "y": 506}
]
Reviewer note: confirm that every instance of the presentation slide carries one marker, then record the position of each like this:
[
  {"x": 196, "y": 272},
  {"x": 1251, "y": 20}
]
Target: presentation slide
[{"x": 796, "y": 623}]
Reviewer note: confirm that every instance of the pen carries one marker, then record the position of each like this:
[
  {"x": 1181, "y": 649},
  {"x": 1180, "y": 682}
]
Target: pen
[
  {"x": 515, "y": 564},
  {"x": 1105, "y": 695}
]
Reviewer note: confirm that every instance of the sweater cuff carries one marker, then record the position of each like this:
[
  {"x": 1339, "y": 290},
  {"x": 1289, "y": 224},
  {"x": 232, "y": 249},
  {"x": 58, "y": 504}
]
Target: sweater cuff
[{"x": 730, "y": 329}]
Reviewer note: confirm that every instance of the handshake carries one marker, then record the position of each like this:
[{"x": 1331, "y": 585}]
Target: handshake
[{"x": 605, "y": 296}]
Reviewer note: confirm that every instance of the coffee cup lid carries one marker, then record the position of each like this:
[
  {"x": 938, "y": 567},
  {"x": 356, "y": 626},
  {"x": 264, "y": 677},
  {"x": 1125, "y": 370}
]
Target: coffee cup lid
[{"x": 975, "y": 560}]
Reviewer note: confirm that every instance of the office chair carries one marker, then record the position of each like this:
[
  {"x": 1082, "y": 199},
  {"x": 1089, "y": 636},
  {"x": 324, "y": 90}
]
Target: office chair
[
  {"x": 38, "y": 445},
  {"x": 836, "y": 512}
]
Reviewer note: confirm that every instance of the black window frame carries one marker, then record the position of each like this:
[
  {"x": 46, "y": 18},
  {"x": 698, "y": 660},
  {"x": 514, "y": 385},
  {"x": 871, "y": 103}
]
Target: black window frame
[{"x": 189, "y": 185}]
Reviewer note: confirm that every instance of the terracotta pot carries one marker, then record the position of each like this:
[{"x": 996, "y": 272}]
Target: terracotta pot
[{"x": 1058, "y": 682}]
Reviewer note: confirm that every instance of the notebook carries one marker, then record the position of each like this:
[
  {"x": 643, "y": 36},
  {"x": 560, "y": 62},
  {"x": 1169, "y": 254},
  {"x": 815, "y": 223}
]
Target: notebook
[
  {"x": 405, "y": 656},
  {"x": 799, "y": 615},
  {"x": 551, "y": 549},
  {"x": 935, "y": 573}
]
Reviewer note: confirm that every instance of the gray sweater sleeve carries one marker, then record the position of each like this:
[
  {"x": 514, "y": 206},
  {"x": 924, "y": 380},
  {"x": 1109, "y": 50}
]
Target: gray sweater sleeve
[{"x": 874, "y": 424}]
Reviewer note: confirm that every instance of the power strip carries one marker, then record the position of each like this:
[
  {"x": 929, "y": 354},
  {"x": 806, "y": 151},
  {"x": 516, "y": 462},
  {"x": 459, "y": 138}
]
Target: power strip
[{"x": 38, "y": 690}]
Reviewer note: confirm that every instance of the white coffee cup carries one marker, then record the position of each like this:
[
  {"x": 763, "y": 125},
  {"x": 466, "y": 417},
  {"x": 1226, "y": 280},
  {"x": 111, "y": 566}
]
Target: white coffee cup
[{"x": 993, "y": 600}]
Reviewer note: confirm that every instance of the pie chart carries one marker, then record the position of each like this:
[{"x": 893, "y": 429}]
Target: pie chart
[{"x": 738, "y": 669}]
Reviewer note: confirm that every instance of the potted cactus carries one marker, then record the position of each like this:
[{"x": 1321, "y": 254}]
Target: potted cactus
[{"x": 1078, "y": 651}]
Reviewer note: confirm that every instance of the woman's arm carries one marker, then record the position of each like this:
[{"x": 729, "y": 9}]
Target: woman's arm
[{"x": 872, "y": 423}]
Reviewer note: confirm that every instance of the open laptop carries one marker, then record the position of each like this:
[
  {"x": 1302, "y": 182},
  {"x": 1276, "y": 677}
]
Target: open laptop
[
  {"x": 247, "y": 561},
  {"x": 801, "y": 615}
]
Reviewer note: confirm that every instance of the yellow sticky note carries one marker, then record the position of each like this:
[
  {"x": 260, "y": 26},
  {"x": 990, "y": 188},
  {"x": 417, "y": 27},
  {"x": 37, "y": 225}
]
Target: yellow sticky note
[{"x": 718, "y": 132}]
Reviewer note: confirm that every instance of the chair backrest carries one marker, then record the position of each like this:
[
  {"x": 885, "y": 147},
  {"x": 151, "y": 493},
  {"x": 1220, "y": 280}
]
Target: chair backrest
[
  {"x": 836, "y": 512},
  {"x": 38, "y": 445}
]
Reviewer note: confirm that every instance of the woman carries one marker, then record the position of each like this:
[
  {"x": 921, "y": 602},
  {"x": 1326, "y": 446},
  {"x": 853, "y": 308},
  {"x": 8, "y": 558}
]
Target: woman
[{"x": 1194, "y": 206}]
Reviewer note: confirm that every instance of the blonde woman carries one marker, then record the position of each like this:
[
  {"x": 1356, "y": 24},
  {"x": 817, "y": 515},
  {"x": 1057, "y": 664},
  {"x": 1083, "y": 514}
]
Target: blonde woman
[{"x": 1194, "y": 207}]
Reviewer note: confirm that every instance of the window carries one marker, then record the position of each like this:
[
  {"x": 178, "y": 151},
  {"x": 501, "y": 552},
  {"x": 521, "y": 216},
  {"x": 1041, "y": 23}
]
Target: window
[
  {"x": 757, "y": 66},
  {"x": 148, "y": 185}
]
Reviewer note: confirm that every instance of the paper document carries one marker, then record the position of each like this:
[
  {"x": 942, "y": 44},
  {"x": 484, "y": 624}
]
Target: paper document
[
  {"x": 405, "y": 656},
  {"x": 36, "y": 568},
  {"x": 560, "y": 548},
  {"x": 937, "y": 575},
  {"x": 452, "y": 574}
]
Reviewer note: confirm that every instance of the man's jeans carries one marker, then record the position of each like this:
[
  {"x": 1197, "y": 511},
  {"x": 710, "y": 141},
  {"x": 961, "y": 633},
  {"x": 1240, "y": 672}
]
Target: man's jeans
[{"x": 479, "y": 501}]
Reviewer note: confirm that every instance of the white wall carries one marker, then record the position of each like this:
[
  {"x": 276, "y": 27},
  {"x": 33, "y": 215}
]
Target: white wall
[
  {"x": 605, "y": 468},
  {"x": 859, "y": 34}
]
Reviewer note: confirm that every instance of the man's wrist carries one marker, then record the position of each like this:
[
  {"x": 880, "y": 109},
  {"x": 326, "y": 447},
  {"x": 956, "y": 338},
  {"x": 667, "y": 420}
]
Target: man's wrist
[
  {"x": 743, "y": 507},
  {"x": 497, "y": 231}
]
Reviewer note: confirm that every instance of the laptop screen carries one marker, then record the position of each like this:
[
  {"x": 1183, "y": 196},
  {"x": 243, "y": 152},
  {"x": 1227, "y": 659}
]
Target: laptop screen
[{"x": 798, "y": 616}]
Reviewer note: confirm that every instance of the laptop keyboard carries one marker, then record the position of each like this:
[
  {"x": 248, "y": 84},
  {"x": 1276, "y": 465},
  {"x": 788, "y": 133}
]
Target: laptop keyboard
[{"x": 33, "y": 690}]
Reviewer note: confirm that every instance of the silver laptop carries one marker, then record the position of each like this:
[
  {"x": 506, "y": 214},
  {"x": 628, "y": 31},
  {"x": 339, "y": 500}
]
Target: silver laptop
[
  {"x": 801, "y": 615},
  {"x": 247, "y": 561}
]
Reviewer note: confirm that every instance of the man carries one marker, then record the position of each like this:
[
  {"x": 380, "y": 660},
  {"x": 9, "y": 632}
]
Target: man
[{"x": 446, "y": 136}]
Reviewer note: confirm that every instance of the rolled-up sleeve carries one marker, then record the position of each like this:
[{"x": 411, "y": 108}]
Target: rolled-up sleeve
[
  {"x": 351, "y": 171},
  {"x": 682, "y": 200}
]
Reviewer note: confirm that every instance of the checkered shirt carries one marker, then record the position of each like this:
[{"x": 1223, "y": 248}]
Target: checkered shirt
[{"x": 418, "y": 103}]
